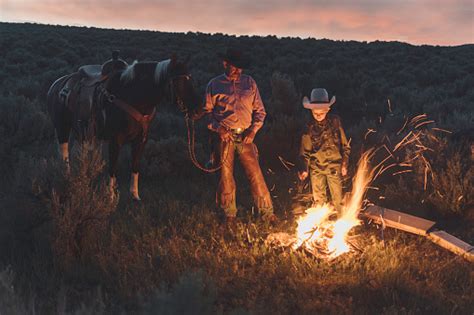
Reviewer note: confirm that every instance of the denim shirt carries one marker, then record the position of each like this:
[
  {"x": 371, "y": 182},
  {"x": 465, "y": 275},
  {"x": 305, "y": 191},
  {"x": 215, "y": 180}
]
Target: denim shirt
[{"x": 234, "y": 103}]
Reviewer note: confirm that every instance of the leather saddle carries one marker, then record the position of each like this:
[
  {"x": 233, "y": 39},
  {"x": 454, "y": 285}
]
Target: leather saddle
[
  {"x": 81, "y": 94},
  {"x": 83, "y": 91},
  {"x": 91, "y": 74}
]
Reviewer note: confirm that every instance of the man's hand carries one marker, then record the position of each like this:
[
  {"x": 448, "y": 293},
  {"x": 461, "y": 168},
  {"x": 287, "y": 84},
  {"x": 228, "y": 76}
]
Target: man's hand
[
  {"x": 196, "y": 114},
  {"x": 302, "y": 175},
  {"x": 224, "y": 134},
  {"x": 344, "y": 170},
  {"x": 249, "y": 136}
]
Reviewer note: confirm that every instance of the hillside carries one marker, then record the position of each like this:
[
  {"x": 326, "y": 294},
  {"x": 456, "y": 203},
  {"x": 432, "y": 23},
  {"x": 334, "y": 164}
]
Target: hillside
[{"x": 64, "y": 251}]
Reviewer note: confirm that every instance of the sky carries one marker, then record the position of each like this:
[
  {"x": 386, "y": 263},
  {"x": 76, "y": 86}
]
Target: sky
[{"x": 432, "y": 22}]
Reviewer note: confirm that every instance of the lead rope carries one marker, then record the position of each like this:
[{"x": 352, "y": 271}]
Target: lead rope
[{"x": 192, "y": 153}]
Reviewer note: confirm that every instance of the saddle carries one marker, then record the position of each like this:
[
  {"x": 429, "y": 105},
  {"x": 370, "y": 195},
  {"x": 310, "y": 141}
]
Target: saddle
[
  {"x": 83, "y": 91},
  {"x": 78, "y": 92},
  {"x": 91, "y": 74},
  {"x": 81, "y": 94}
]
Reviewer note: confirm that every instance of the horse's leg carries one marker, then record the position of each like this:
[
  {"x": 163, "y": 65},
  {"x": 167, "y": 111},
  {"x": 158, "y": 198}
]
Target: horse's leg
[
  {"x": 137, "y": 150},
  {"x": 114, "y": 149},
  {"x": 63, "y": 125},
  {"x": 61, "y": 117}
]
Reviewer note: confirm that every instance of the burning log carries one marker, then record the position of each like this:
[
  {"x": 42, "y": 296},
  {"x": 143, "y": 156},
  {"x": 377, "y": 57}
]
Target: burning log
[{"x": 280, "y": 239}]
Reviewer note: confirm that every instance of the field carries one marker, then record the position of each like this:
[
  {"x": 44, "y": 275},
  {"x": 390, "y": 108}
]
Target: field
[{"x": 66, "y": 247}]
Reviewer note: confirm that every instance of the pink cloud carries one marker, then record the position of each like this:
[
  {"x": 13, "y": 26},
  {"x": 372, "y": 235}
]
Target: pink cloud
[{"x": 423, "y": 22}]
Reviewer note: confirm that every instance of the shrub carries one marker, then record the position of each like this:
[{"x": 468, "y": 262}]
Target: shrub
[
  {"x": 79, "y": 202},
  {"x": 80, "y": 209},
  {"x": 168, "y": 157},
  {"x": 192, "y": 294},
  {"x": 284, "y": 99},
  {"x": 453, "y": 184},
  {"x": 10, "y": 302}
]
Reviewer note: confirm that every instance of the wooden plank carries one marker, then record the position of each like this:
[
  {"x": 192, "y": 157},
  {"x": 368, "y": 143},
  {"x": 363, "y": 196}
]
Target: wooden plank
[
  {"x": 398, "y": 220},
  {"x": 453, "y": 244}
]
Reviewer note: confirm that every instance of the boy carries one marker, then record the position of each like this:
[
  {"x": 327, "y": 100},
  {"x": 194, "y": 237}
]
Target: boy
[{"x": 324, "y": 151}]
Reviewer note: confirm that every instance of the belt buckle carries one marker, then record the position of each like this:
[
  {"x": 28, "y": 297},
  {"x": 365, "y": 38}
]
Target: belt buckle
[{"x": 238, "y": 131}]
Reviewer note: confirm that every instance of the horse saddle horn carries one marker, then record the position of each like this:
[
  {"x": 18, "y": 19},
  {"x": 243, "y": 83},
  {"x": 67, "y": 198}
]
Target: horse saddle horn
[{"x": 114, "y": 64}]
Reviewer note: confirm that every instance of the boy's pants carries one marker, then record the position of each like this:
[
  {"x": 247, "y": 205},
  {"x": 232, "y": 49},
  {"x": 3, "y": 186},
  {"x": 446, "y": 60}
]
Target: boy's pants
[{"x": 321, "y": 179}]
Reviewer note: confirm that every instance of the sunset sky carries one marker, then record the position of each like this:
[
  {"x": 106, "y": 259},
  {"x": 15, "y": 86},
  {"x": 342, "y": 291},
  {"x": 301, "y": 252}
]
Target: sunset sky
[{"x": 434, "y": 22}]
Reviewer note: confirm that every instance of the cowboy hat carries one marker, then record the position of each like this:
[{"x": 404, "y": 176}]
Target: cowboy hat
[
  {"x": 236, "y": 58},
  {"x": 319, "y": 100}
]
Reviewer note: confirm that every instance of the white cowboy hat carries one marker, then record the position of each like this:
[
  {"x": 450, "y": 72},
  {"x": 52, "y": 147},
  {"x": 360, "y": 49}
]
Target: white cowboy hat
[{"x": 319, "y": 100}]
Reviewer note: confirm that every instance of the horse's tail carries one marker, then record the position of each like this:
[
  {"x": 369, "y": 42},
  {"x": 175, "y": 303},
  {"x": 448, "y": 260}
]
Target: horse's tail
[
  {"x": 57, "y": 108},
  {"x": 53, "y": 98}
]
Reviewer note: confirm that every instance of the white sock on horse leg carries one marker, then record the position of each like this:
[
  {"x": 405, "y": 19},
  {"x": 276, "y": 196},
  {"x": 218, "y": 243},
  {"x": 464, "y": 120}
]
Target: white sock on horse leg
[
  {"x": 64, "y": 151},
  {"x": 113, "y": 187},
  {"x": 134, "y": 186},
  {"x": 113, "y": 182}
]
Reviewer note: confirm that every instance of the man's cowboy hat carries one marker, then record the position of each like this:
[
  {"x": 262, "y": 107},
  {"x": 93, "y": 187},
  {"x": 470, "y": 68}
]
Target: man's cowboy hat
[
  {"x": 235, "y": 57},
  {"x": 319, "y": 100}
]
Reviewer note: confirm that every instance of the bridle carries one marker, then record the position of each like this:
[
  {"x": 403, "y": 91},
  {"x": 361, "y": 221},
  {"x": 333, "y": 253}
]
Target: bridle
[{"x": 174, "y": 83}]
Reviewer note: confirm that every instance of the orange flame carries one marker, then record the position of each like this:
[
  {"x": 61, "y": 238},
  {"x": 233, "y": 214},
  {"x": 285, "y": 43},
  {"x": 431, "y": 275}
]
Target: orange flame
[{"x": 316, "y": 231}]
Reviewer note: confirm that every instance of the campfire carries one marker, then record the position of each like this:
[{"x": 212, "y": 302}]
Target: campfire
[
  {"x": 320, "y": 235},
  {"x": 325, "y": 234}
]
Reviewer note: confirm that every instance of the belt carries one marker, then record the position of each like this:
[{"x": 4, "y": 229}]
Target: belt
[{"x": 237, "y": 131}]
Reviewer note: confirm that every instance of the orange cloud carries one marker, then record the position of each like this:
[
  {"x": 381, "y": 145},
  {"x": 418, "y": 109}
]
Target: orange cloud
[{"x": 422, "y": 22}]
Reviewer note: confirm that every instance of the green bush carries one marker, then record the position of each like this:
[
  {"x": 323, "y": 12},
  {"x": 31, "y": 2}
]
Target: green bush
[
  {"x": 192, "y": 294},
  {"x": 10, "y": 301},
  {"x": 453, "y": 184}
]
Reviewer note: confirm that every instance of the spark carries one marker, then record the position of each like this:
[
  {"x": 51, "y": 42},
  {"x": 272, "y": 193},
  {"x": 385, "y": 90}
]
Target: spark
[
  {"x": 369, "y": 131},
  {"x": 404, "y": 125},
  {"x": 401, "y": 172},
  {"x": 403, "y": 140},
  {"x": 389, "y": 105},
  {"x": 442, "y": 130},
  {"x": 424, "y": 123},
  {"x": 285, "y": 163}
]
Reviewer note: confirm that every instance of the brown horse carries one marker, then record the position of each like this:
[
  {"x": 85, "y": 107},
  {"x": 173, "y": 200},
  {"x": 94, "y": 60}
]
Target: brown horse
[{"x": 118, "y": 107}]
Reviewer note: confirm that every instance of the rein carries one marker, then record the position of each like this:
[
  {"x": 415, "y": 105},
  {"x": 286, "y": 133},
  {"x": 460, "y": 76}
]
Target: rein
[
  {"x": 192, "y": 153},
  {"x": 192, "y": 132}
]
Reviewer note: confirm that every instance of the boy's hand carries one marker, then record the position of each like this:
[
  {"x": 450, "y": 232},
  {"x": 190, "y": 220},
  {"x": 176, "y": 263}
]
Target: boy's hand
[
  {"x": 302, "y": 175},
  {"x": 344, "y": 170}
]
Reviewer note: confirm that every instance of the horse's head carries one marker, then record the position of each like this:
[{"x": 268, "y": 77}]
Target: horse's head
[
  {"x": 149, "y": 81},
  {"x": 182, "y": 88}
]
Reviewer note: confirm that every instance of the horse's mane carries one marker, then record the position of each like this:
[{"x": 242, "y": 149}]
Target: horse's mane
[
  {"x": 129, "y": 73},
  {"x": 161, "y": 70},
  {"x": 160, "y": 74}
]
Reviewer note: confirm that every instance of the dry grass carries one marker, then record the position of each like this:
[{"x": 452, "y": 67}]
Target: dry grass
[{"x": 167, "y": 255}]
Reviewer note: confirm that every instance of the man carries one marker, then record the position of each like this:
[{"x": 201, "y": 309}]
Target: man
[
  {"x": 324, "y": 150},
  {"x": 235, "y": 113}
]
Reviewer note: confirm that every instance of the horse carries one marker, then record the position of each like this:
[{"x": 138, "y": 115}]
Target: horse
[{"x": 118, "y": 107}]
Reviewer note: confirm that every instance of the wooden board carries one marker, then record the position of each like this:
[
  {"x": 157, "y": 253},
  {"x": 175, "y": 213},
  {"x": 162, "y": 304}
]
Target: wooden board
[
  {"x": 398, "y": 220},
  {"x": 453, "y": 244}
]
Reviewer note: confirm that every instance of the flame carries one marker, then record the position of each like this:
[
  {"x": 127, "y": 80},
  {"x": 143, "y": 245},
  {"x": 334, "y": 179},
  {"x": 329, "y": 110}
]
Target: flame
[
  {"x": 317, "y": 233},
  {"x": 307, "y": 224},
  {"x": 326, "y": 238}
]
